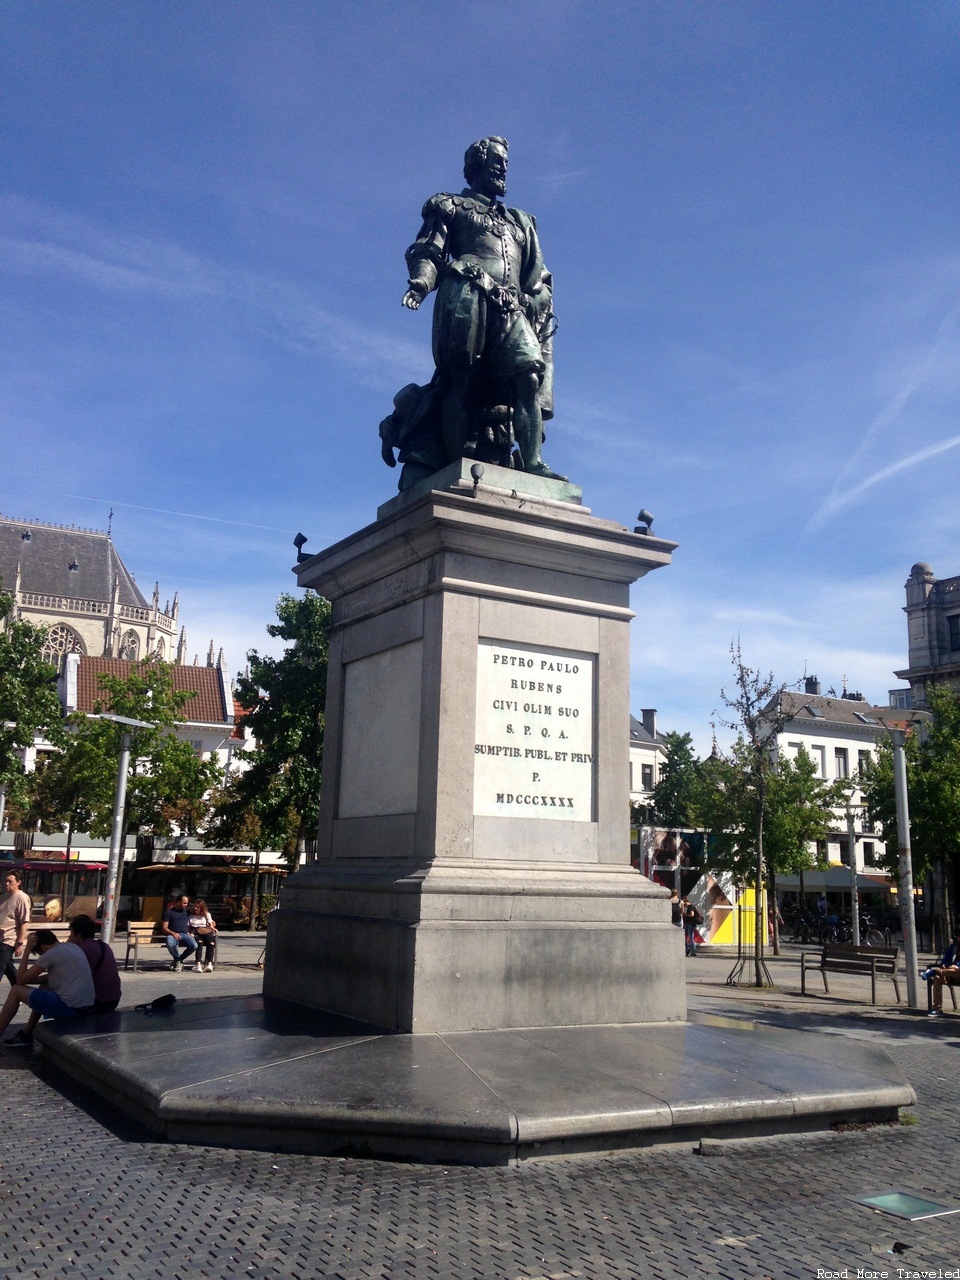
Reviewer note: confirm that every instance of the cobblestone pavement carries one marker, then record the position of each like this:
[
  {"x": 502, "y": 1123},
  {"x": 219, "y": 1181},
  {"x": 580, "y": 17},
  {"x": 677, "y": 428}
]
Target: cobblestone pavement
[{"x": 83, "y": 1194}]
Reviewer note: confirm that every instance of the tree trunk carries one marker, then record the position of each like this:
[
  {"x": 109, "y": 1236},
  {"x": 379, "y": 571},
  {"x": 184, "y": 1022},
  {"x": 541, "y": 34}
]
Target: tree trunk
[
  {"x": 254, "y": 892},
  {"x": 775, "y": 913},
  {"x": 940, "y": 911},
  {"x": 759, "y": 923}
]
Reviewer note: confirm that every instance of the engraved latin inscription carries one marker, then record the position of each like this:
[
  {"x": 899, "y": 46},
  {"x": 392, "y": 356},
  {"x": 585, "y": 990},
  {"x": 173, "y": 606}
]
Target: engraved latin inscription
[{"x": 534, "y": 742}]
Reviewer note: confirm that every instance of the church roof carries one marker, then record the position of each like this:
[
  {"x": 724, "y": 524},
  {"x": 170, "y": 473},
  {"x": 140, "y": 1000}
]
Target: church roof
[
  {"x": 59, "y": 561},
  {"x": 206, "y": 708}
]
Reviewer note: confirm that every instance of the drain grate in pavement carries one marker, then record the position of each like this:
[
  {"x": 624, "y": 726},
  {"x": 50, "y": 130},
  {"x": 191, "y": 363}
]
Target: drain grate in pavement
[{"x": 904, "y": 1204}]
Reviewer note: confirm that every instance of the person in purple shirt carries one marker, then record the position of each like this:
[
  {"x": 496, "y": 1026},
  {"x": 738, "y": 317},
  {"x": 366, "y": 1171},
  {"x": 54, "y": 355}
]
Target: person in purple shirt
[{"x": 102, "y": 962}]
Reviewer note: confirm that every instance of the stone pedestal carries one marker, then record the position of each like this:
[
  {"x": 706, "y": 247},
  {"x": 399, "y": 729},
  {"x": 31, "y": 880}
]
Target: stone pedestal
[{"x": 473, "y": 864}]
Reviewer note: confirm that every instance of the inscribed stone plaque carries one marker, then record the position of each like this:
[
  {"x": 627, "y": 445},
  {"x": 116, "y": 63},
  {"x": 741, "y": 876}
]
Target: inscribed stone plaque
[{"x": 534, "y": 749}]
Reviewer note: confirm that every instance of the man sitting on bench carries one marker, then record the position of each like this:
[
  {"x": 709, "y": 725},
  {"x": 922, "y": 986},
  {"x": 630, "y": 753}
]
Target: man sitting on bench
[
  {"x": 948, "y": 971},
  {"x": 176, "y": 930}
]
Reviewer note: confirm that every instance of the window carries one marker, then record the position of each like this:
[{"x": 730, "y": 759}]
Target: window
[
  {"x": 841, "y": 763},
  {"x": 868, "y": 847},
  {"x": 864, "y": 764},
  {"x": 953, "y": 632},
  {"x": 130, "y": 646},
  {"x": 646, "y": 777},
  {"x": 819, "y": 757},
  {"x": 60, "y": 641}
]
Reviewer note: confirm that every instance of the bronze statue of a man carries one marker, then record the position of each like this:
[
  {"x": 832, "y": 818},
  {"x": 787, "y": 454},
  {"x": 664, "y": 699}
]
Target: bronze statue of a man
[{"x": 492, "y": 328}]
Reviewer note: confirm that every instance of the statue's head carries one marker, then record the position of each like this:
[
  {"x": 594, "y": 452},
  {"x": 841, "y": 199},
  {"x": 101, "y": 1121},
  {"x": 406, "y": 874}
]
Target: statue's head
[{"x": 485, "y": 166}]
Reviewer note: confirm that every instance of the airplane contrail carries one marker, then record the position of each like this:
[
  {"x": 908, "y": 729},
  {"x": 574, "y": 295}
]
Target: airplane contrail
[{"x": 186, "y": 515}]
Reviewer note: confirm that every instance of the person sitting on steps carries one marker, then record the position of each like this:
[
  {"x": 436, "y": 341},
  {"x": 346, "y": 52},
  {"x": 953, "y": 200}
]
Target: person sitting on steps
[{"x": 57, "y": 985}]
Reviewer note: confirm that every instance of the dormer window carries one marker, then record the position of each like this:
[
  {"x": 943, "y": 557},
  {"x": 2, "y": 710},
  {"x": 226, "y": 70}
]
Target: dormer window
[{"x": 73, "y": 566}]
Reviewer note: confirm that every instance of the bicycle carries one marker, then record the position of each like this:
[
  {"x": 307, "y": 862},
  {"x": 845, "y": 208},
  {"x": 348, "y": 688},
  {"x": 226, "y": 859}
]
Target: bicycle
[
  {"x": 870, "y": 935},
  {"x": 829, "y": 930},
  {"x": 801, "y": 930}
]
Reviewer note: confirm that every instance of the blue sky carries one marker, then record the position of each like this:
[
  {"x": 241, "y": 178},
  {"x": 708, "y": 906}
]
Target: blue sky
[{"x": 750, "y": 211}]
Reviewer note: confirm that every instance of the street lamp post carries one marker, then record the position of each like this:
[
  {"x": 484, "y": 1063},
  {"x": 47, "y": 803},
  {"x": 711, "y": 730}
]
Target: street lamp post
[
  {"x": 854, "y": 898},
  {"x": 116, "y": 831},
  {"x": 907, "y": 917},
  {"x": 908, "y": 922}
]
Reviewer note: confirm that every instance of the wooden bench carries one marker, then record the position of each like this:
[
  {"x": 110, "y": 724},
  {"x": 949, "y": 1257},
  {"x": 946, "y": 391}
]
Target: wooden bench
[
  {"x": 62, "y": 931},
  {"x": 837, "y": 957},
  {"x": 138, "y": 931}
]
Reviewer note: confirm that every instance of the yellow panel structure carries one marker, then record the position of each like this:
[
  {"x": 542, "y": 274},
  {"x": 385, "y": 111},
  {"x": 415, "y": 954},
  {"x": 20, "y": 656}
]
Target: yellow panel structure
[{"x": 726, "y": 917}]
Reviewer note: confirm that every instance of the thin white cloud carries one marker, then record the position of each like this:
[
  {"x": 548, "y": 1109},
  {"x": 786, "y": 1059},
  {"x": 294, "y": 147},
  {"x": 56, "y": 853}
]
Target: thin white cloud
[
  {"x": 840, "y": 497},
  {"x": 767, "y": 617},
  {"x": 40, "y": 241},
  {"x": 552, "y": 183},
  {"x": 186, "y": 515},
  {"x": 838, "y": 502}
]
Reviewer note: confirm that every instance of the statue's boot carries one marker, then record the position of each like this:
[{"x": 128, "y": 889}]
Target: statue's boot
[
  {"x": 540, "y": 468},
  {"x": 528, "y": 430}
]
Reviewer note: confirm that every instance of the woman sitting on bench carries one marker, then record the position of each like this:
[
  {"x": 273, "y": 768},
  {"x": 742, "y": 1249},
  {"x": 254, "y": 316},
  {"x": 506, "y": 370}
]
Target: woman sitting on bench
[
  {"x": 948, "y": 971},
  {"x": 205, "y": 932}
]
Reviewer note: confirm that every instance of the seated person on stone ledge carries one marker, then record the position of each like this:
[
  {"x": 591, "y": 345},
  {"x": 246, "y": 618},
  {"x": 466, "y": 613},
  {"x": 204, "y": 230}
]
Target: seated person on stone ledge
[
  {"x": 102, "y": 962},
  {"x": 61, "y": 980},
  {"x": 947, "y": 972}
]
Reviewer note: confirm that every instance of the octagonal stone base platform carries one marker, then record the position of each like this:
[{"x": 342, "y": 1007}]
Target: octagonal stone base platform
[{"x": 245, "y": 1073}]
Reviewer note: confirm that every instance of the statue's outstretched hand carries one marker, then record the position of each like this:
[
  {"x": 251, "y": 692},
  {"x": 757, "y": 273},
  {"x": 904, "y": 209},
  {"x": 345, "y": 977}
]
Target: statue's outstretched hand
[{"x": 412, "y": 299}]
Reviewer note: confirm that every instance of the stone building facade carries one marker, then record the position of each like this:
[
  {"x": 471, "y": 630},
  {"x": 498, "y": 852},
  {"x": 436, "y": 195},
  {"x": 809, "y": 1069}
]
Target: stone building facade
[
  {"x": 73, "y": 583},
  {"x": 933, "y": 633}
]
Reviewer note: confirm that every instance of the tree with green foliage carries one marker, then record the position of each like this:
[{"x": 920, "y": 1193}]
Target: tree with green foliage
[
  {"x": 932, "y": 753},
  {"x": 678, "y": 793},
  {"x": 737, "y": 792},
  {"x": 29, "y": 703},
  {"x": 274, "y": 802},
  {"x": 800, "y": 813},
  {"x": 167, "y": 783}
]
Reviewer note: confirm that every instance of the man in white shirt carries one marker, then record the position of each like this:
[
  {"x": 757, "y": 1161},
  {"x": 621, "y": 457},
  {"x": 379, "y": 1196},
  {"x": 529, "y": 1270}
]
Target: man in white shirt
[
  {"x": 68, "y": 992},
  {"x": 15, "y": 908}
]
